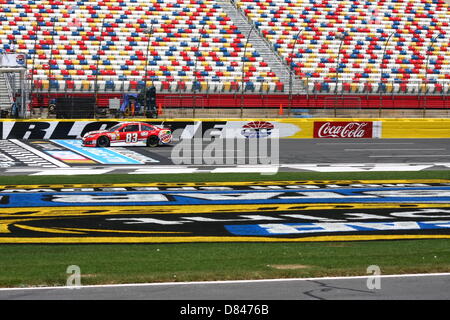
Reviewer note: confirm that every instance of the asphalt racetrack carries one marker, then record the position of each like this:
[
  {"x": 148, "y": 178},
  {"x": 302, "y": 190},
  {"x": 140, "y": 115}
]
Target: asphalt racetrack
[
  {"x": 41, "y": 157},
  {"x": 403, "y": 287},
  {"x": 380, "y": 151},
  {"x": 285, "y": 213}
]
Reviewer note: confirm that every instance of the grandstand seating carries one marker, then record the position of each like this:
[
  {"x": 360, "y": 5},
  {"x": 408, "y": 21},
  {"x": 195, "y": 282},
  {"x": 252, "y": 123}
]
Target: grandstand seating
[
  {"x": 334, "y": 46},
  {"x": 385, "y": 46},
  {"x": 73, "y": 45}
]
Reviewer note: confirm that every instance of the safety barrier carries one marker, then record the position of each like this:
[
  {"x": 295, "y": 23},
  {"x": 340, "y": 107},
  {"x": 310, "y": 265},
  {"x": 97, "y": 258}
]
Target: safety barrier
[
  {"x": 299, "y": 128},
  {"x": 370, "y": 128}
]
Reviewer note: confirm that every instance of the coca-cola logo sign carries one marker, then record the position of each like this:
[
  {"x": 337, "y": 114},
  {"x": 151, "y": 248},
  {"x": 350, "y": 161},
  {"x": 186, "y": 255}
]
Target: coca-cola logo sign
[{"x": 347, "y": 129}]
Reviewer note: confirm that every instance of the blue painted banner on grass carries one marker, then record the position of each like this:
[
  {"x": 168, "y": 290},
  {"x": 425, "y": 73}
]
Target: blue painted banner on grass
[
  {"x": 101, "y": 155},
  {"x": 278, "y": 229},
  {"x": 140, "y": 198}
]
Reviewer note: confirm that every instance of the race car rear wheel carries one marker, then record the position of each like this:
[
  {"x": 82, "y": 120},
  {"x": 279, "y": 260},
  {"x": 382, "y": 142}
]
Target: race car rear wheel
[
  {"x": 152, "y": 141},
  {"x": 103, "y": 142}
]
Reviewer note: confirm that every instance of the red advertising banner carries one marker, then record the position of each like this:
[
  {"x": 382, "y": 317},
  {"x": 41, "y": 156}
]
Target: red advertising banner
[{"x": 347, "y": 129}]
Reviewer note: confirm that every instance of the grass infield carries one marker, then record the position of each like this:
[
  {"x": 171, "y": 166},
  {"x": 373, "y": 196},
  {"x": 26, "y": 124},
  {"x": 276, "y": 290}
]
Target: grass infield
[
  {"x": 220, "y": 177},
  {"x": 46, "y": 265}
]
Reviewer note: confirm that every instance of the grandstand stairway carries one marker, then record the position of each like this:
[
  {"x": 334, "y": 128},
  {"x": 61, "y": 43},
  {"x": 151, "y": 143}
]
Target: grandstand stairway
[
  {"x": 263, "y": 47},
  {"x": 5, "y": 100}
]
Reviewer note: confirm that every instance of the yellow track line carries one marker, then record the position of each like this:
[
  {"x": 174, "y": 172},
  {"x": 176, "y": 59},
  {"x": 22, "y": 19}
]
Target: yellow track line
[
  {"x": 19, "y": 213},
  {"x": 200, "y": 184},
  {"x": 83, "y": 231},
  {"x": 114, "y": 240}
]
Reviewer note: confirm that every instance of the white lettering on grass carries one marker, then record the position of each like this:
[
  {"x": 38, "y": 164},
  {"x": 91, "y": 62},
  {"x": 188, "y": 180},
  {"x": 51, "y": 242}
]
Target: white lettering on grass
[{"x": 98, "y": 198}]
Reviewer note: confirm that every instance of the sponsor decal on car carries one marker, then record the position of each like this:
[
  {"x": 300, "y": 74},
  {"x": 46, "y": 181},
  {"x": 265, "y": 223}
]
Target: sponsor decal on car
[{"x": 165, "y": 136}]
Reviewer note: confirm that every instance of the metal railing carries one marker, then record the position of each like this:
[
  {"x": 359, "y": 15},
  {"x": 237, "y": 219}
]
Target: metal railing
[
  {"x": 10, "y": 86},
  {"x": 309, "y": 86},
  {"x": 265, "y": 99}
]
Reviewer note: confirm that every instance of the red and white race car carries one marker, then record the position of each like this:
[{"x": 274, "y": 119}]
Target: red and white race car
[{"x": 127, "y": 134}]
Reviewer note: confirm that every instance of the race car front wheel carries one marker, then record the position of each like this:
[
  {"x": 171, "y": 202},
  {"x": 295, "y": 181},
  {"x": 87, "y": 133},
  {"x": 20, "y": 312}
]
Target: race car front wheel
[
  {"x": 103, "y": 142},
  {"x": 152, "y": 141}
]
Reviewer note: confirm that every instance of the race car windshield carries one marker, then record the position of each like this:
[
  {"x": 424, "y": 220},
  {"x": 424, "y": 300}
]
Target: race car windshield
[{"x": 115, "y": 128}]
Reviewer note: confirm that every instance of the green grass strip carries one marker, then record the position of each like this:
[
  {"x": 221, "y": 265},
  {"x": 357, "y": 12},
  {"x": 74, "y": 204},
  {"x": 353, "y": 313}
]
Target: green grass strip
[
  {"x": 46, "y": 265},
  {"x": 30, "y": 265},
  {"x": 218, "y": 177}
]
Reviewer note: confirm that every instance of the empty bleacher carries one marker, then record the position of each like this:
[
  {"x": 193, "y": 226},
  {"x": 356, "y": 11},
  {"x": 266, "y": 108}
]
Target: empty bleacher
[
  {"x": 352, "y": 46},
  {"x": 387, "y": 48},
  {"x": 73, "y": 45}
]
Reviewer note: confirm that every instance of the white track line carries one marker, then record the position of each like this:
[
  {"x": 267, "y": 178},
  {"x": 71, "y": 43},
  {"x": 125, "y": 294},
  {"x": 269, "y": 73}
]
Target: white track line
[
  {"x": 40, "y": 154},
  {"x": 164, "y": 171},
  {"x": 412, "y": 156},
  {"x": 361, "y": 143},
  {"x": 230, "y": 281},
  {"x": 70, "y": 171},
  {"x": 439, "y": 149}
]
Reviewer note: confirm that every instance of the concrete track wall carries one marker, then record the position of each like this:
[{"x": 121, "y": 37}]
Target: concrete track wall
[{"x": 250, "y": 127}]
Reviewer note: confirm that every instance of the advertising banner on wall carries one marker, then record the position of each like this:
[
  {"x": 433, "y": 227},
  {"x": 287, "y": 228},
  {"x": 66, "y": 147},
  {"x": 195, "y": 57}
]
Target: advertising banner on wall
[
  {"x": 245, "y": 129},
  {"x": 346, "y": 129},
  {"x": 185, "y": 129}
]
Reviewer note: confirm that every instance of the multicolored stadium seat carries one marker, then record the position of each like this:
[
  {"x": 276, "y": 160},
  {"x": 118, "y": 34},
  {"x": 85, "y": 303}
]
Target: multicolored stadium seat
[
  {"x": 333, "y": 46},
  {"x": 359, "y": 46},
  {"x": 73, "y": 45}
]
